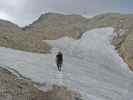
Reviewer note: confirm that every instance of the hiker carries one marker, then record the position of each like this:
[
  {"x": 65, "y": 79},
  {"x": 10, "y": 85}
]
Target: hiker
[{"x": 59, "y": 60}]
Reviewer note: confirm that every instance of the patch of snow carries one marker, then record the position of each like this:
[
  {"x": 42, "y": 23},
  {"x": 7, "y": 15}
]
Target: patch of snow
[
  {"x": 87, "y": 16},
  {"x": 91, "y": 66}
]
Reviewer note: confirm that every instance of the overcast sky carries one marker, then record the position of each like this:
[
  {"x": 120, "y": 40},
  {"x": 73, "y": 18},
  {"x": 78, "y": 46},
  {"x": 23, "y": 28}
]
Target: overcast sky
[{"x": 23, "y": 12}]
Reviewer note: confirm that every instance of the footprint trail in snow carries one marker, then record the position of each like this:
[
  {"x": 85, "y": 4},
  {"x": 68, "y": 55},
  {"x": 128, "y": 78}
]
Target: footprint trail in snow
[{"x": 59, "y": 77}]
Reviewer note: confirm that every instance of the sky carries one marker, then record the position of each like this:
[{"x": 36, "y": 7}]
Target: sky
[{"x": 24, "y": 12}]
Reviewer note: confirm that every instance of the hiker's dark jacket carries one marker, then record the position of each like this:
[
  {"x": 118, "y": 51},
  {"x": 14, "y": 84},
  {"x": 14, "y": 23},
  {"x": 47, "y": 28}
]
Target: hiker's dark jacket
[{"x": 59, "y": 58}]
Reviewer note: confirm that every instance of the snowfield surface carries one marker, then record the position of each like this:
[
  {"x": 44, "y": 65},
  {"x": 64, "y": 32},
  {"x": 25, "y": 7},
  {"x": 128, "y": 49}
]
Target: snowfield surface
[{"x": 91, "y": 66}]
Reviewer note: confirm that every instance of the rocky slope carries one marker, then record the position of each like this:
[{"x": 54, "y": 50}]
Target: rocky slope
[
  {"x": 53, "y": 26},
  {"x": 12, "y": 36}
]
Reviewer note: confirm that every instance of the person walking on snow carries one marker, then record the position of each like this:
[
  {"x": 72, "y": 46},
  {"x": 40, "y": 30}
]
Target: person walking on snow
[{"x": 59, "y": 60}]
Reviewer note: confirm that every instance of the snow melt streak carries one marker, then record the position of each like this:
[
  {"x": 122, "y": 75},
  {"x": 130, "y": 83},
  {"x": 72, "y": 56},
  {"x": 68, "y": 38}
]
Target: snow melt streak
[{"x": 91, "y": 66}]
